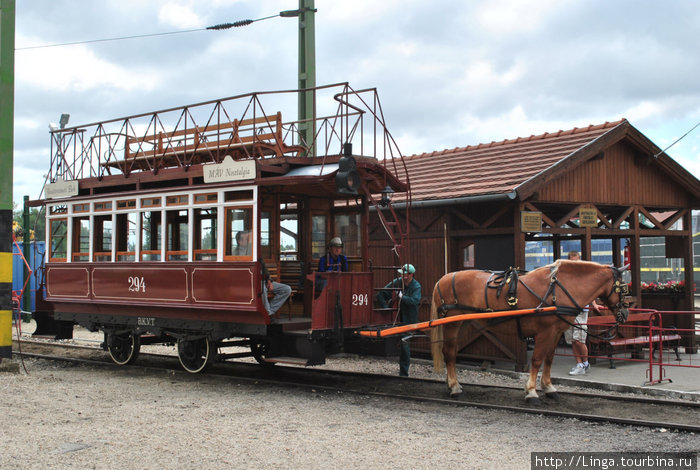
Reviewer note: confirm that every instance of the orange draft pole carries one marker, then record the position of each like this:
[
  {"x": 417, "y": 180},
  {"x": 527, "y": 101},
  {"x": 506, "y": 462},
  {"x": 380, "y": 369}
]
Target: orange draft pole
[{"x": 441, "y": 321}]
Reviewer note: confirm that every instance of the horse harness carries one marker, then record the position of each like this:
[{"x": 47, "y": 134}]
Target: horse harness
[{"x": 510, "y": 279}]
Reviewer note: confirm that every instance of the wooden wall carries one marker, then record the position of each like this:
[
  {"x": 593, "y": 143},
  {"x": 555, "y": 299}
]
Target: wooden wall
[{"x": 621, "y": 177}]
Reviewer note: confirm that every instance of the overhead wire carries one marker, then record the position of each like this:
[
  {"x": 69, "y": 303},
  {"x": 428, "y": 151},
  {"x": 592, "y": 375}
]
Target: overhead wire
[
  {"x": 218, "y": 27},
  {"x": 677, "y": 140}
]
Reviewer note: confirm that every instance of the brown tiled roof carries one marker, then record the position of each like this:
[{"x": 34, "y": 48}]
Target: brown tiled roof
[{"x": 498, "y": 167}]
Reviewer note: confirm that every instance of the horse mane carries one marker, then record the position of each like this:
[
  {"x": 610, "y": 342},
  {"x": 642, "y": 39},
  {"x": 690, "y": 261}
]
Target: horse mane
[{"x": 555, "y": 266}]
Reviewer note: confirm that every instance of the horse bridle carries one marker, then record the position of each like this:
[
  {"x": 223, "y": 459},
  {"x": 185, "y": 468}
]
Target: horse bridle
[
  {"x": 622, "y": 290},
  {"x": 619, "y": 287}
]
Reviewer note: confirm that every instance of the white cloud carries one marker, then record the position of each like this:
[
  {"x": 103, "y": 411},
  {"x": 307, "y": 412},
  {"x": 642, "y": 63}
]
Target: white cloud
[
  {"x": 78, "y": 68},
  {"x": 180, "y": 15}
]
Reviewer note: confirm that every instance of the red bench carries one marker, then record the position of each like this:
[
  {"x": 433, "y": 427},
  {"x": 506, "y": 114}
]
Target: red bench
[{"x": 631, "y": 336}]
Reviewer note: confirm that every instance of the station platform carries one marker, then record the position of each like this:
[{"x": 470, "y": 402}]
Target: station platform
[{"x": 627, "y": 376}]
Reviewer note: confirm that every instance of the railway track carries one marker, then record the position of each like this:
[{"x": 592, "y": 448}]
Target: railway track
[{"x": 621, "y": 410}]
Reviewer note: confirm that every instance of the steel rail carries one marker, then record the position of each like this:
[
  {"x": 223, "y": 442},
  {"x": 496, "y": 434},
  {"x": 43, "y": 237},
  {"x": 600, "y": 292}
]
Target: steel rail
[{"x": 229, "y": 373}]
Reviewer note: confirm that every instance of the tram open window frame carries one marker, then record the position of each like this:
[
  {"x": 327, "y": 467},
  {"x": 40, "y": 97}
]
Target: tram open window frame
[
  {"x": 177, "y": 232},
  {"x": 127, "y": 236},
  {"x": 231, "y": 229},
  {"x": 205, "y": 231},
  {"x": 58, "y": 239},
  {"x": 352, "y": 237},
  {"x": 80, "y": 243},
  {"x": 102, "y": 238},
  {"x": 151, "y": 235}
]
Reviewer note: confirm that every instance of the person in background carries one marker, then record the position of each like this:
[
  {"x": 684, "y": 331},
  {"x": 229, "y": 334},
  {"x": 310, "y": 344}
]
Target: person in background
[
  {"x": 409, "y": 297},
  {"x": 334, "y": 260},
  {"x": 579, "y": 332}
]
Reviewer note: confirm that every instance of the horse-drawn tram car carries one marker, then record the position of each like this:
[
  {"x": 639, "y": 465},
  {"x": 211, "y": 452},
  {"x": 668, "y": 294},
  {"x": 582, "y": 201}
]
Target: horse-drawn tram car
[{"x": 163, "y": 227}]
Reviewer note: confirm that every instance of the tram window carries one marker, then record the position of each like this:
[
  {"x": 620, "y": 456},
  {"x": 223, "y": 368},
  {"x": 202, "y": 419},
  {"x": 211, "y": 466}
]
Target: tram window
[
  {"x": 232, "y": 196},
  {"x": 347, "y": 227},
  {"x": 103, "y": 206},
  {"x": 177, "y": 235},
  {"x": 150, "y": 236},
  {"x": 126, "y": 237},
  {"x": 126, "y": 204},
  {"x": 205, "y": 234},
  {"x": 81, "y": 239},
  {"x": 150, "y": 202},
  {"x": 180, "y": 200},
  {"x": 319, "y": 230},
  {"x": 265, "y": 244},
  {"x": 238, "y": 220},
  {"x": 205, "y": 198},
  {"x": 58, "y": 209},
  {"x": 102, "y": 241},
  {"x": 81, "y": 208},
  {"x": 289, "y": 237},
  {"x": 58, "y": 232}
]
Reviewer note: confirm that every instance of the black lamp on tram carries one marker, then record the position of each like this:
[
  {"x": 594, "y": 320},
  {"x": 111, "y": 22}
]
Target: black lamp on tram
[
  {"x": 347, "y": 180},
  {"x": 386, "y": 196}
]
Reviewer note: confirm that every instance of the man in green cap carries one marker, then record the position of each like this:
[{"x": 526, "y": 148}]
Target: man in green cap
[{"x": 408, "y": 296}]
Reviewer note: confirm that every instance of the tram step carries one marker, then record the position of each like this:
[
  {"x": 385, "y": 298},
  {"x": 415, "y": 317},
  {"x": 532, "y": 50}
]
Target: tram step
[{"x": 298, "y": 361}]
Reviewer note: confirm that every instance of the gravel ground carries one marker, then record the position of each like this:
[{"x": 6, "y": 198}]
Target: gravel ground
[{"x": 68, "y": 416}]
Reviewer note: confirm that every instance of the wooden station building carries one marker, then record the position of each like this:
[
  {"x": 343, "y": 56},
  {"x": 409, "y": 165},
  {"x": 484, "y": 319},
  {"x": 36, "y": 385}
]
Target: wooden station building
[{"x": 479, "y": 207}]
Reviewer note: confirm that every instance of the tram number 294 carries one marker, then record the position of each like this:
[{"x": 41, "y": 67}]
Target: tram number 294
[
  {"x": 136, "y": 284},
  {"x": 360, "y": 299}
]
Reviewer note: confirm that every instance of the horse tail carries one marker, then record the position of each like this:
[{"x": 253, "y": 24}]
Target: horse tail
[{"x": 436, "y": 337}]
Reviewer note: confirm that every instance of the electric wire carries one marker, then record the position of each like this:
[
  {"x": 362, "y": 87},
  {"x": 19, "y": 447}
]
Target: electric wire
[
  {"x": 677, "y": 140},
  {"x": 218, "y": 27}
]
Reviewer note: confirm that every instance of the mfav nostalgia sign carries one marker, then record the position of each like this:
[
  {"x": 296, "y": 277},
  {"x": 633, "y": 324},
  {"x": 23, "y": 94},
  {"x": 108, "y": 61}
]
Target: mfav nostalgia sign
[{"x": 229, "y": 170}]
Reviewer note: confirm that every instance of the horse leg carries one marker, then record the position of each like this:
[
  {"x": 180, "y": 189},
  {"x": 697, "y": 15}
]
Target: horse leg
[
  {"x": 449, "y": 351},
  {"x": 538, "y": 355},
  {"x": 546, "y": 379}
]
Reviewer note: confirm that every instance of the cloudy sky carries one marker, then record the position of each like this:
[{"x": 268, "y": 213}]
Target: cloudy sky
[{"x": 449, "y": 73}]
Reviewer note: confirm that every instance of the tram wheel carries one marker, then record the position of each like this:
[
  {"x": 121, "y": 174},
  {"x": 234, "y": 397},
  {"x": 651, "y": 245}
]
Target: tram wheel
[
  {"x": 259, "y": 349},
  {"x": 123, "y": 348},
  {"x": 194, "y": 354}
]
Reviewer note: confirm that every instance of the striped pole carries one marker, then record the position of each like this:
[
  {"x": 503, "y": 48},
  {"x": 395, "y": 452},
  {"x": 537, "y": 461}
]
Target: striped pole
[{"x": 7, "y": 93}]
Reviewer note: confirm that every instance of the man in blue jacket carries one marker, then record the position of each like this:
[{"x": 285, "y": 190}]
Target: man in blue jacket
[
  {"x": 334, "y": 260},
  {"x": 409, "y": 297}
]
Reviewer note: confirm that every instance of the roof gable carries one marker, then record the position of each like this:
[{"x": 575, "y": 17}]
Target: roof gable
[{"x": 521, "y": 166}]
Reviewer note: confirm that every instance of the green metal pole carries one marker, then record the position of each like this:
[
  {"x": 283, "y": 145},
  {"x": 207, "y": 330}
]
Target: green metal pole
[
  {"x": 307, "y": 72},
  {"x": 7, "y": 96},
  {"x": 26, "y": 250}
]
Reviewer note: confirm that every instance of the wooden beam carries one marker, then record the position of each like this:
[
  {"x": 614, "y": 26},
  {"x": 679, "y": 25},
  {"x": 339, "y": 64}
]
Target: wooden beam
[
  {"x": 495, "y": 216},
  {"x": 670, "y": 220},
  {"x": 545, "y": 219},
  {"x": 465, "y": 218},
  {"x": 651, "y": 217},
  {"x": 622, "y": 218},
  {"x": 565, "y": 220},
  {"x": 603, "y": 218}
]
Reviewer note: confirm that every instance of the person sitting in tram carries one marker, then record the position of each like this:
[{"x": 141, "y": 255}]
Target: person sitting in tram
[
  {"x": 334, "y": 260},
  {"x": 243, "y": 244},
  {"x": 280, "y": 292}
]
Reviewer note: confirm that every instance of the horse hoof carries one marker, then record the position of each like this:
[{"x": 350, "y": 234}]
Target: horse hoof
[
  {"x": 533, "y": 401},
  {"x": 554, "y": 396},
  {"x": 455, "y": 393}
]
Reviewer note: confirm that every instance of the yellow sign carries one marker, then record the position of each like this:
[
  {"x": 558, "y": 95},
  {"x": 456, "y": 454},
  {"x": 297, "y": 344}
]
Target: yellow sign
[
  {"x": 530, "y": 221},
  {"x": 588, "y": 217}
]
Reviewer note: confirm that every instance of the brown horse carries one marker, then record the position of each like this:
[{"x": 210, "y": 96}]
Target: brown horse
[{"x": 568, "y": 285}]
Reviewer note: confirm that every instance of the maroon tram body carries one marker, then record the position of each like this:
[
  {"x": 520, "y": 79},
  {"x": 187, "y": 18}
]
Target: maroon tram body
[{"x": 143, "y": 228}]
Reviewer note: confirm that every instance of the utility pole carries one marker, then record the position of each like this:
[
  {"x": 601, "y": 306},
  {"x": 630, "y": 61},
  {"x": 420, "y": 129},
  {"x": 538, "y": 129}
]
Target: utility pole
[
  {"x": 307, "y": 72},
  {"x": 7, "y": 100}
]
